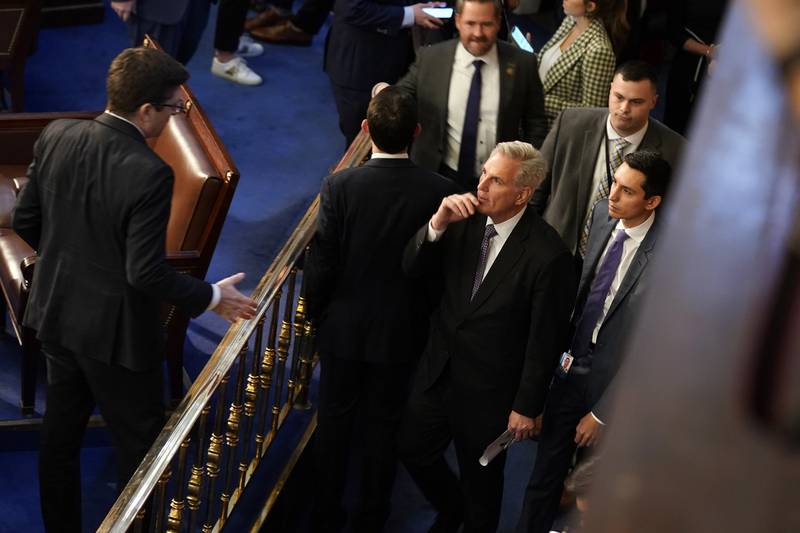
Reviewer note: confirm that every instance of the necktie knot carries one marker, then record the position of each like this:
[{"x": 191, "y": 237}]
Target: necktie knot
[
  {"x": 489, "y": 232},
  {"x": 620, "y": 144},
  {"x": 478, "y": 63},
  {"x": 620, "y": 236}
]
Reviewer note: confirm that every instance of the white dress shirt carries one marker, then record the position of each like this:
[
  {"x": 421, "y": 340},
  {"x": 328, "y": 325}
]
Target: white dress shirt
[
  {"x": 629, "y": 247},
  {"x": 549, "y": 58},
  {"x": 503, "y": 230},
  {"x": 600, "y": 172},
  {"x": 460, "y": 82},
  {"x": 384, "y": 155}
]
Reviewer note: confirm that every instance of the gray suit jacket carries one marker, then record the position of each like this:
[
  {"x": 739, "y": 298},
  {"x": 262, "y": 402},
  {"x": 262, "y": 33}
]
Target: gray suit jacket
[
  {"x": 625, "y": 308},
  {"x": 521, "y": 115},
  {"x": 571, "y": 150}
]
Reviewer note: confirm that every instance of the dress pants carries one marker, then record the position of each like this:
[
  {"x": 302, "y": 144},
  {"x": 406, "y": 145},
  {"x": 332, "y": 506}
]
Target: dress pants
[
  {"x": 230, "y": 24},
  {"x": 132, "y": 406},
  {"x": 178, "y": 40},
  {"x": 367, "y": 398},
  {"x": 312, "y": 15},
  {"x": 351, "y": 104},
  {"x": 566, "y": 405},
  {"x": 446, "y": 413}
]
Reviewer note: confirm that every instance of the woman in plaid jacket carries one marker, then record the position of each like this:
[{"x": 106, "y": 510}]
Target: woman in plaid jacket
[{"x": 576, "y": 65}]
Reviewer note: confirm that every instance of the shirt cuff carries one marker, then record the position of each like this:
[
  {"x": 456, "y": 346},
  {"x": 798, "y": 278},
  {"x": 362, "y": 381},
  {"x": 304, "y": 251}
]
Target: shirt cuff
[
  {"x": 215, "y": 297},
  {"x": 433, "y": 235},
  {"x": 408, "y": 17},
  {"x": 598, "y": 420}
]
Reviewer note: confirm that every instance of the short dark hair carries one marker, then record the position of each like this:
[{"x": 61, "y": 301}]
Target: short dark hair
[
  {"x": 392, "y": 119},
  {"x": 637, "y": 71},
  {"x": 139, "y": 76},
  {"x": 498, "y": 6},
  {"x": 656, "y": 170}
]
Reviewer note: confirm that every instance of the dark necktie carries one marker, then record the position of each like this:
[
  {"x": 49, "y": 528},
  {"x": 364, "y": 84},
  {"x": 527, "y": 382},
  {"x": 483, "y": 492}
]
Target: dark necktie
[
  {"x": 593, "y": 308},
  {"x": 469, "y": 133},
  {"x": 488, "y": 235}
]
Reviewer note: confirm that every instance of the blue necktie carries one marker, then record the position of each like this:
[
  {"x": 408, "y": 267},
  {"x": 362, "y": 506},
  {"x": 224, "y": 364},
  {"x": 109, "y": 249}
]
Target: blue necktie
[
  {"x": 593, "y": 308},
  {"x": 488, "y": 234},
  {"x": 469, "y": 133}
]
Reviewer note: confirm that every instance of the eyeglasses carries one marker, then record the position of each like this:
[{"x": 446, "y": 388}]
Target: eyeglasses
[{"x": 176, "y": 108}]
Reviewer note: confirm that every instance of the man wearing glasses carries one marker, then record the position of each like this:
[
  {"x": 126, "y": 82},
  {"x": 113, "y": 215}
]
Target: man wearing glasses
[{"x": 96, "y": 209}]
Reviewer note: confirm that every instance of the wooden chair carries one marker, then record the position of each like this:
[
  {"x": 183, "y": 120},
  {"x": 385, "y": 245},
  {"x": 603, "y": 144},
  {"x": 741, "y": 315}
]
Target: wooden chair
[{"x": 205, "y": 180}]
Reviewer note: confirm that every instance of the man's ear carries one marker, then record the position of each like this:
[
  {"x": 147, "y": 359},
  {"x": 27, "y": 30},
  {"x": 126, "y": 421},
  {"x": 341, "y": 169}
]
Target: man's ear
[
  {"x": 652, "y": 202},
  {"x": 365, "y": 126},
  {"x": 417, "y": 130},
  {"x": 524, "y": 195}
]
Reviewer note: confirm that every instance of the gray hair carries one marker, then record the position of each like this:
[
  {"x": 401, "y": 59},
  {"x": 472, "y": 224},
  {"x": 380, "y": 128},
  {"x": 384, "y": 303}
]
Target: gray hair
[{"x": 532, "y": 166}]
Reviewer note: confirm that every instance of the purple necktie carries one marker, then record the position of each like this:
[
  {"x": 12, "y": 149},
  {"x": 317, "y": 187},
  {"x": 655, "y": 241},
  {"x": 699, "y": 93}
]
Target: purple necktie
[
  {"x": 593, "y": 308},
  {"x": 469, "y": 133},
  {"x": 488, "y": 235}
]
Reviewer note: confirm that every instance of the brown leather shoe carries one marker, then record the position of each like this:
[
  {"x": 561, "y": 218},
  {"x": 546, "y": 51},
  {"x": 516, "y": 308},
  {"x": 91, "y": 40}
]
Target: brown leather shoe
[
  {"x": 284, "y": 33},
  {"x": 269, "y": 17}
]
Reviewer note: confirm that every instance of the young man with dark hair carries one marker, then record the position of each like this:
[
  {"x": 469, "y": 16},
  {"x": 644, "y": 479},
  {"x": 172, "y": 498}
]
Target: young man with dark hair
[
  {"x": 96, "y": 209},
  {"x": 372, "y": 319},
  {"x": 586, "y": 145},
  {"x": 621, "y": 244}
]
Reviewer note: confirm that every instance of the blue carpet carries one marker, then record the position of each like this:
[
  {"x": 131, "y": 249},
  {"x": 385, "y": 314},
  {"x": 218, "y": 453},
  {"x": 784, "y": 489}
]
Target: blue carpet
[{"x": 283, "y": 136}]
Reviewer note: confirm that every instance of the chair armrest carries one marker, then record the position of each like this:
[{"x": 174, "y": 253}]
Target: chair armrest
[{"x": 26, "y": 266}]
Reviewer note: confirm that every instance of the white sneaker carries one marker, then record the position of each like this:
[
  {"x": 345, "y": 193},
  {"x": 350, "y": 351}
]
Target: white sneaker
[
  {"x": 235, "y": 70},
  {"x": 248, "y": 47}
]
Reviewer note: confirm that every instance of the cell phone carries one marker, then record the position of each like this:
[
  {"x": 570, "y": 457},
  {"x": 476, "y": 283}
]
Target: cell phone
[
  {"x": 439, "y": 12},
  {"x": 520, "y": 40}
]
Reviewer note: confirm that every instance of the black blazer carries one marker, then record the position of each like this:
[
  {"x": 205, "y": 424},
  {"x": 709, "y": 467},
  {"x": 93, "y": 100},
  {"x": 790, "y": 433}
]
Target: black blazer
[
  {"x": 504, "y": 344},
  {"x": 619, "y": 322},
  {"x": 369, "y": 309},
  {"x": 521, "y": 110},
  {"x": 571, "y": 150},
  {"x": 96, "y": 210},
  {"x": 366, "y": 44}
]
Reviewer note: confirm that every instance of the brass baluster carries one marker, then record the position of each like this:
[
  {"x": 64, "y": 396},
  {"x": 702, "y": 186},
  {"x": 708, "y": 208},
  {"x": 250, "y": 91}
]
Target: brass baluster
[
  {"x": 267, "y": 366},
  {"x": 232, "y": 437},
  {"x": 299, "y": 318},
  {"x": 138, "y": 522},
  {"x": 283, "y": 350},
  {"x": 160, "y": 499},
  {"x": 250, "y": 402},
  {"x": 214, "y": 454},
  {"x": 195, "y": 484},
  {"x": 305, "y": 370},
  {"x": 175, "y": 516}
]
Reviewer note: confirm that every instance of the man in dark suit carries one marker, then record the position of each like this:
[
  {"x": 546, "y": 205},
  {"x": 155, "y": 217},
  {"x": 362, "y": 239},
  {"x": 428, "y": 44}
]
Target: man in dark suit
[
  {"x": 373, "y": 319},
  {"x": 622, "y": 240},
  {"x": 96, "y": 210},
  {"x": 586, "y": 145},
  {"x": 494, "y": 339},
  {"x": 473, "y": 92},
  {"x": 176, "y": 25},
  {"x": 369, "y": 41}
]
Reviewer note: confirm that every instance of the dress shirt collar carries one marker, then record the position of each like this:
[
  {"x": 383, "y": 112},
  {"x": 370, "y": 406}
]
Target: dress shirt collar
[
  {"x": 635, "y": 139},
  {"x": 125, "y": 120},
  {"x": 464, "y": 59},
  {"x": 384, "y": 155},
  {"x": 504, "y": 229},
  {"x": 637, "y": 233}
]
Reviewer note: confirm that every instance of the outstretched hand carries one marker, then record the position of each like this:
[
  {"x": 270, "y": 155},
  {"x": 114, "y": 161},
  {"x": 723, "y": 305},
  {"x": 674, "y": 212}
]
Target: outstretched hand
[
  {"x": 454, "y": 208},
  {"x": 232, "y": 303},
  {"x": 123, "y": 8}
]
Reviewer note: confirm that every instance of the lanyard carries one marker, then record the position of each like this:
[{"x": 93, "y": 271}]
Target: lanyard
[{"x": 608, "y": 160}]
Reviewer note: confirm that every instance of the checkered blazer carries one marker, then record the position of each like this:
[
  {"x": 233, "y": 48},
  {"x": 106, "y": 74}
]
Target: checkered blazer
[{"x": 581, "y": 76}]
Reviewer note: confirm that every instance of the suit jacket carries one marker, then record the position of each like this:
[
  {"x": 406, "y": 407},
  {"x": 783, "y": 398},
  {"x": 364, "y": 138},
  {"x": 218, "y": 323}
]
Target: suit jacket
[
  {"x": 620, "y": 319},
  {"x": 366, "y": 44},
  {"x": 521, "y": 110},
  {"x": 571, "y": 150},
  {"x": 96, "y": 210},
  {"x": 369, "y": 309},
  {"x": 162, "y": 11},
  {"x": 581, "y": 76},
  {"x": 502, "y": 345}
]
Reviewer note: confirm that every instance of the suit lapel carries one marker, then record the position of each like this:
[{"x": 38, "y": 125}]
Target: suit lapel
[
  {"x": 591, "y": 145},
  {"x": 651, "y": 139},
  {"x": 441, "y": 75},
  {"x": 638, "y": 264},
  {"x": 512, "y": 250},
  {"x": 508, "y": 71}
]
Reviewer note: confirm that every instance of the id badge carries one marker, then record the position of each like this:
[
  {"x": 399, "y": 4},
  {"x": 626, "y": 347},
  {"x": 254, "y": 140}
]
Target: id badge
[{"x": 564, "y": 365}]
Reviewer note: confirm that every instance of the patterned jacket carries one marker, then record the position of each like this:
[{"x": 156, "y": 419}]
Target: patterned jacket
[{"x": 581, "y": 76}]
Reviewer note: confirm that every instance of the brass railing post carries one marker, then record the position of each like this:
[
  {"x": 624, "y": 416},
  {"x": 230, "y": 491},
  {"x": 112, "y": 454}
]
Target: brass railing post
[
  {"x": 250, "y": 403},
  {"x": 232, "y": 437},
  {"x": 176, "y": 505},
  {"x": 284, "y": 338},
  {"x": 214, "y": 455},
  {"x": 267, "y": 366},
  {"x": 194, "y": 488}
]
